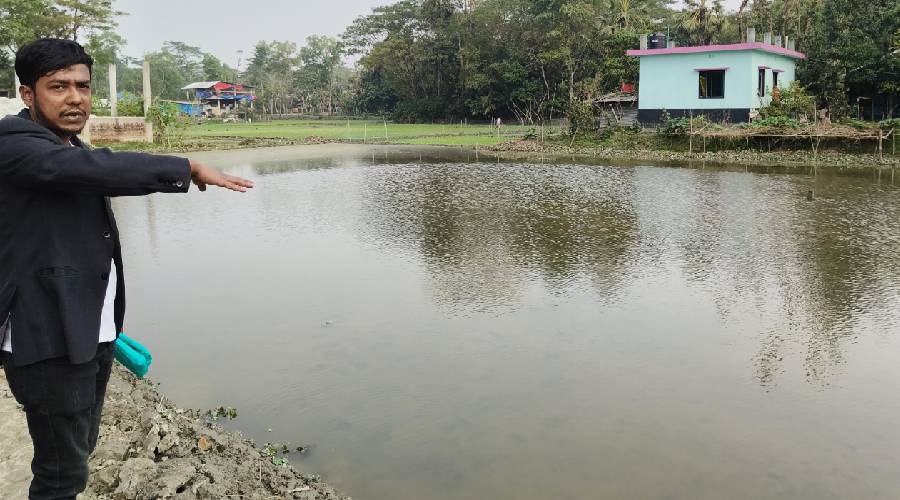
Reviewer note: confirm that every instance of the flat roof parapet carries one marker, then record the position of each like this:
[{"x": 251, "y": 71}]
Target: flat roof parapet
[{"x": 765, "y": 47}]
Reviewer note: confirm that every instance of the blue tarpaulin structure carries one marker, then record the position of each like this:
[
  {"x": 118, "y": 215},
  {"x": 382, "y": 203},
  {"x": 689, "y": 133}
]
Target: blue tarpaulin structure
[
  {"x": 190, "y": 109},
  {"x": 224, "y": 96}
]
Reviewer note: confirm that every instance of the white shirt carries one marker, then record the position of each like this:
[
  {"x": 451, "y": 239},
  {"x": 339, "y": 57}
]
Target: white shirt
[{"x": 107, "y": 315}]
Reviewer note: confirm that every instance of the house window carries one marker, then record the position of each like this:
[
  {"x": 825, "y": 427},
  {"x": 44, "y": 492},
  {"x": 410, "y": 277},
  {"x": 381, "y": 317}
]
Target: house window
[
  {"x": 712, "y": 84},
  {"x": 761, "y": 86},
  {"x": 774, "y": 79}
]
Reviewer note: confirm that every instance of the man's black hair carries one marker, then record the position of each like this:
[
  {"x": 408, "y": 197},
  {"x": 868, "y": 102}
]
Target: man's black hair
[{"x": 47, "y": 55}]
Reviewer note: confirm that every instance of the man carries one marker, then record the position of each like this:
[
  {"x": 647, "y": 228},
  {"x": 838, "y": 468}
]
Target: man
[{"x": 62, "y": 292}]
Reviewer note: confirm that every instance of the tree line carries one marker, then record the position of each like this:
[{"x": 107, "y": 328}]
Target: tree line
[
  {"x": 532, "y": 60},
  {"x": 535, "y": 59}
]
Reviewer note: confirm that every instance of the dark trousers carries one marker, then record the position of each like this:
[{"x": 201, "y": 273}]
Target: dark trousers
[{"x": 62, "y": 405}]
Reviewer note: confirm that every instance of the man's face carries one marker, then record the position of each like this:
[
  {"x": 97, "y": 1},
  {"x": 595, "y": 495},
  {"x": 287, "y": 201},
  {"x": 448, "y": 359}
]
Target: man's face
[{"x": 61, "y": 101}]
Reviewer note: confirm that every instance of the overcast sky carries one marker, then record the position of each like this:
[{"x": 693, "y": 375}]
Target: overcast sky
[{"x": 150, "y": 23}]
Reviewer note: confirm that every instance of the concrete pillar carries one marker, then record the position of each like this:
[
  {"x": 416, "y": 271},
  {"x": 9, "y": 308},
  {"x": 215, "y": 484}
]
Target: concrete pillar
[
  {"x": 148, "y": 95},
  {"x": 643, "y": 42},
  {"x": 767, "y": 38},
  {"x": 777, "y": 41},
  {"x": 113, "y": 92},
  {"x": 751, "y": 35},
  {"x": 85, "y": 134},
  {"x": 670, "y": 44},
  {"x": 792, "y": 44},
  {"x": 16, "y": 84}
]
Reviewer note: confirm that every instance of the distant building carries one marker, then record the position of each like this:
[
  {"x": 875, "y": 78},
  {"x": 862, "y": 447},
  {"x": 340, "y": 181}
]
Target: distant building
[
  {"x": 723, "y": 82},
  {"x": 215, "y": 98}
]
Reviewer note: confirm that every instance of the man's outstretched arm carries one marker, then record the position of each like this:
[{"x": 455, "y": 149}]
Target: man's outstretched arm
[
  {"x": 34, "y": 161},
  {"x": 203, "y": 176}
]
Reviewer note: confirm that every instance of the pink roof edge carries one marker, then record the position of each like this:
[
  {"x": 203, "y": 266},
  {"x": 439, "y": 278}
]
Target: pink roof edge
[{"x": 719, "y": 48}]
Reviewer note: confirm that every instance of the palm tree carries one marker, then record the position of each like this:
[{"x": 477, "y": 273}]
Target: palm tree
[{"x": 701, "y": 22}]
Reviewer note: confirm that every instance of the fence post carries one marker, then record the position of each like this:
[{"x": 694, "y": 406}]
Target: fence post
[{"x": 691, "y": 135}]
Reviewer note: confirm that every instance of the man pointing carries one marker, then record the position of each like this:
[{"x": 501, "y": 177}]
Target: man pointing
[{"x": 62, "y": 288}]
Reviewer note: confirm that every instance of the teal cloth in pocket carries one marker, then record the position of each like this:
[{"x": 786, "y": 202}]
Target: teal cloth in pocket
[{"x": 132, "y": 355}]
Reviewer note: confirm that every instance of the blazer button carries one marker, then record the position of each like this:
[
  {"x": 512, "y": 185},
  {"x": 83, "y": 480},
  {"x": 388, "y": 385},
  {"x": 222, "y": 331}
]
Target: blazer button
[
  {"x": 179, "y": 184},
  {"x": 107, "y": 234}
]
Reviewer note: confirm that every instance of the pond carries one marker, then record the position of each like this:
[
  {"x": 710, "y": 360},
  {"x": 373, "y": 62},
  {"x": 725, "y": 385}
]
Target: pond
[{"x": 432, "y": 325}]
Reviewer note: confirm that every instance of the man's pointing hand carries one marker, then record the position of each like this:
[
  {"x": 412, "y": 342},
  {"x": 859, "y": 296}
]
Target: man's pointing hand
[{"x": 204, "y": 176}]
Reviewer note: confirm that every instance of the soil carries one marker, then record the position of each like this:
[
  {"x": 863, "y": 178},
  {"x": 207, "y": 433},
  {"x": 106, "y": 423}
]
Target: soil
[
  {"x": 149, "y": 449},
  {"x": 830, "y": 160}
]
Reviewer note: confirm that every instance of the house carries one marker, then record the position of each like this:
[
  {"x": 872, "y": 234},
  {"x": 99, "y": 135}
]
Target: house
[
  {"x": 723, "y": 82},
  {"x": 217, "y": 98}
]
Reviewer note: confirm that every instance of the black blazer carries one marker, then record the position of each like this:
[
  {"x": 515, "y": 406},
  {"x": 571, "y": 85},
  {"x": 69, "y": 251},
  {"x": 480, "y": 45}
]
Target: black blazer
[{"x": 58, "y": 235}]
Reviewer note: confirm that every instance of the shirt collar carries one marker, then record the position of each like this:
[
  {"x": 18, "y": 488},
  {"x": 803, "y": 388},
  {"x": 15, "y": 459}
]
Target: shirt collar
[{"x": 74, "y": 140}]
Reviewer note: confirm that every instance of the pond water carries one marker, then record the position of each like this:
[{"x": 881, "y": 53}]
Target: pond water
[{"x": 436, "y": 326}]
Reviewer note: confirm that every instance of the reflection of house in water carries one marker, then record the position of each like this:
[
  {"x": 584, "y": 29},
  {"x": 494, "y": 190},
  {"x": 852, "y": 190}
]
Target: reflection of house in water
[{"x": 215, "y": 98}]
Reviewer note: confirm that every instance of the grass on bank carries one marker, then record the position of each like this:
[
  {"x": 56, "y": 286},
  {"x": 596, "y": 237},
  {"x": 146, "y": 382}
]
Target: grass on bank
[
  {"x": 617, "y": 143},
  {"x": 360, "y": 131}
]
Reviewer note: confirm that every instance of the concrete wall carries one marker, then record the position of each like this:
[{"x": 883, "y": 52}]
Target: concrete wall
[
  {"x": 670, "y": 81},
  {"x": 10, "y": 106},
  {"x": 99, "y": 128},
  {"x": 117, "y": 129}
]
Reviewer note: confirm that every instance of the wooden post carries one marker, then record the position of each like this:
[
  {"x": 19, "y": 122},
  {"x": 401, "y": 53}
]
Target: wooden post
[
  {"x": 691, "y": 135},
  {"x": 880, "y": 142},
  {"x": 365, "y": 132}
]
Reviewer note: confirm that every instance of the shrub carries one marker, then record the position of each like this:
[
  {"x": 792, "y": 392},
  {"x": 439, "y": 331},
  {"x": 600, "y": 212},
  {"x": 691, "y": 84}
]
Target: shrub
[
  {"x": 582, "y": 119},
  {"x": 130, "y": 104},
  {"x": 680, "y": 126},
  {"x": 858, "y": 124},
  {"x": 777, "y": 122},
  {"x": 890, "y": 123},
  {"x": 795, "y": 103},
  {"x": 166, "y": 121}
]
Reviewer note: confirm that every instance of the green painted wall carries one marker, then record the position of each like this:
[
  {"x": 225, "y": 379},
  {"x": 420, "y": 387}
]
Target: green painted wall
[
  {"x": 669, "y": 81},
  {"x": 772, "y": 61}
]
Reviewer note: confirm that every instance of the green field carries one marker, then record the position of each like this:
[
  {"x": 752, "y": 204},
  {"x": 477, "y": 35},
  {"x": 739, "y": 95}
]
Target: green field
[{"x": 360, "y": 131}]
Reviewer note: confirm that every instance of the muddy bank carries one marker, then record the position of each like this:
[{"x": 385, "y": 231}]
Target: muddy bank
[
  {"x": 832, "y": 160},
  {"x": 533, "y": 149},
  {"x": 150, "y": 449}
]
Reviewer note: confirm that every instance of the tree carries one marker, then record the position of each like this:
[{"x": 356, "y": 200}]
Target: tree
[
  {"x": 86, "y": 17},
  {"x": 88, "y": 21},
  {"x": 701, "y": 22},
  {"x": 212, "y": 69},
  {"x": 22, "y": 21},
  {"x": 317, "y": 78},
  {"x": 851, "y": 48},
  {"x": 271, "y": 69}
]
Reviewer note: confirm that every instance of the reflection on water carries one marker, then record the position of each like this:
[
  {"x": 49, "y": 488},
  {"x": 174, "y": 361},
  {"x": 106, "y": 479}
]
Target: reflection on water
[
  {"x": 484, "y": 231},
  {"x": 450, "y": 329}
]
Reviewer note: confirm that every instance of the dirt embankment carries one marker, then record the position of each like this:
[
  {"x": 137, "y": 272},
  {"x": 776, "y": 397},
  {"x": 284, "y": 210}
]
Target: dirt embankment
[
  {"x": 833, "y": 160},
  {"x": 151, "y": 449}
]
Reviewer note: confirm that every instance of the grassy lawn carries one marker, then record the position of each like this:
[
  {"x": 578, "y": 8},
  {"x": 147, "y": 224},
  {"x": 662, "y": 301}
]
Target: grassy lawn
[{"x": 361, "y": 131}]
